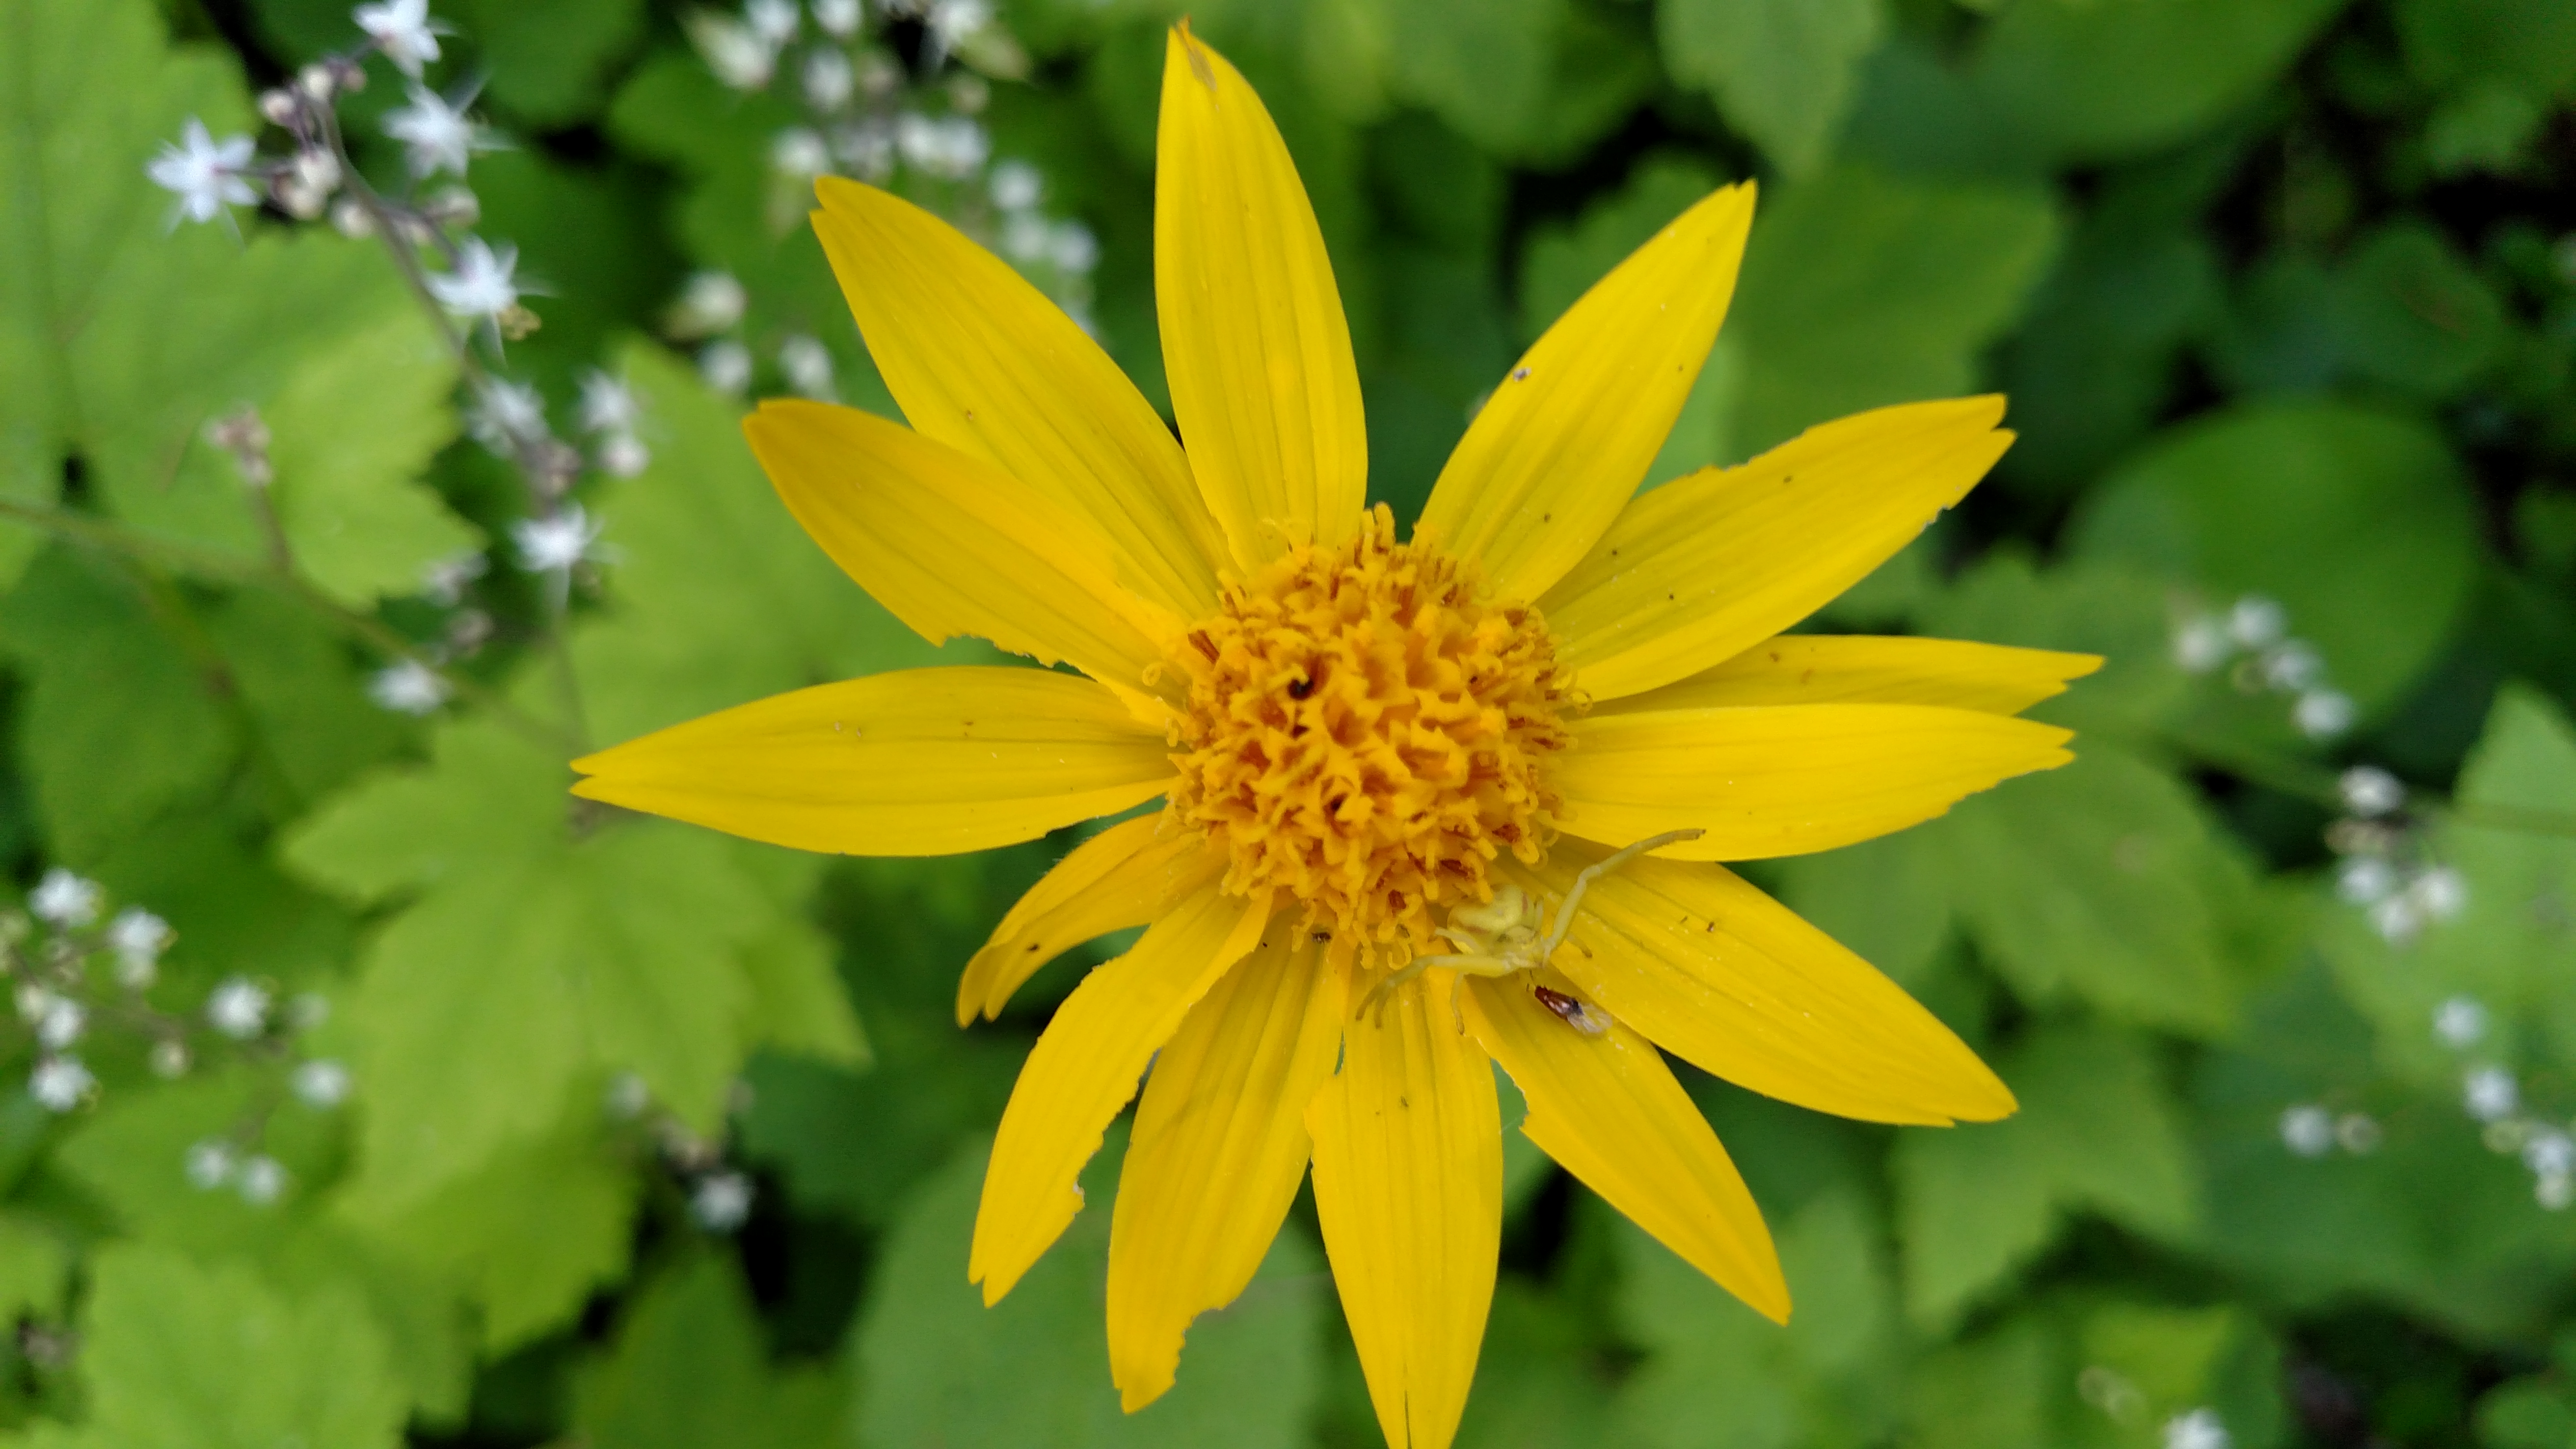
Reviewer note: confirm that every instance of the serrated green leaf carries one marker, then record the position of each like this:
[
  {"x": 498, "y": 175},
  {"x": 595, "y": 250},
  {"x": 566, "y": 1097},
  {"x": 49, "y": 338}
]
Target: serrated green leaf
[
  {"x": 719, "y": 597},
  {"x": 89, "y": 94},
  {"x": 525, "y": 1271},
  {"x": 689, "y": 1369},
  {"x": 2096, "y": 82},
  {"x": 942, "y": 1369},
  {"x": 179, "y": 1356},
  {"x": 2096, "y": 1132},
  {"x": 1783, "y": 70},
  {"x": 312, "y": 724},
  {"x": 2357, "y": 521},
  {"x": 488, "y": 795},
  {"x": 1860, "y": 290},
  {"x": 118, "y": 723},
  {"x": 2102, "y": 880}
]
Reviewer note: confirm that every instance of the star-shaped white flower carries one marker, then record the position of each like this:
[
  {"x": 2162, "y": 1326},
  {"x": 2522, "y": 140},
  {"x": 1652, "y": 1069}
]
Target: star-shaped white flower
[
  {"x": 203, "y": 172},
  {"x": 548, "y": 545},
  {"x": 479, "y": 284},
  {"x": 436, "y": 135},
  {"x": 403, "y": 30},
  {"x": 407, "y": 686}
]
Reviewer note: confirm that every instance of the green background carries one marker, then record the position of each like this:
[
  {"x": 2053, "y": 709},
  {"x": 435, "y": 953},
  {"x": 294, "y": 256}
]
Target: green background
[{"x": 2284, "y": 296}]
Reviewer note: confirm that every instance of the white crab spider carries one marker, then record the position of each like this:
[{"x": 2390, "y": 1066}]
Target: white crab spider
[{"x": 1501, "y": 937}]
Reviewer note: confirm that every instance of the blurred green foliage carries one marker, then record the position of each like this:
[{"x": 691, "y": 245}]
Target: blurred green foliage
[{"x": 2284, "y": 294}]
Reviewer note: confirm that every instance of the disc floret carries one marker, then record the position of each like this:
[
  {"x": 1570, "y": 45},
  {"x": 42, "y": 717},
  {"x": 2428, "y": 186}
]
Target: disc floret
[{"x": 1365, "y": 733}]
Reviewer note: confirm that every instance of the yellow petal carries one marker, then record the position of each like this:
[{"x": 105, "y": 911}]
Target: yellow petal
[
  {"x": 1568, "y": 434},
  {"x": 952, "y": 545},
  {"x": 1409, "y": 1188},
  {"x": 1124, "y": 876},
  {"x": 1607, "y": 1108},
  {"x": 1084, "y": 1068},
  {"x": 918, "y": 762},
  {"x": 1858, "y": 669},
  {"x": 984, "y": 362},
  {"x": 1786, "y": 780},
  {"x": 1254, "y": 342},
  {"x": 1740, "y": 986},
  {"x": 1705, "y": 567},
  {"x": 1219, "y": 1148}
]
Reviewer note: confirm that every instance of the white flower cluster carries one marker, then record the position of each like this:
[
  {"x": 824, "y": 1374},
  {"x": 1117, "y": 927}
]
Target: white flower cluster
[
  {"x": 2492, "y": 1097},
  {"x": 2252, "y": 639},
  {"x": 2383, "y": 870}
]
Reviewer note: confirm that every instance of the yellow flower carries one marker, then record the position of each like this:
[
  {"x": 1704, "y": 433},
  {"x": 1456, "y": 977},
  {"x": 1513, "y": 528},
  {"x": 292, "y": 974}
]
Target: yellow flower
[{"x": 1372, "y": 751}]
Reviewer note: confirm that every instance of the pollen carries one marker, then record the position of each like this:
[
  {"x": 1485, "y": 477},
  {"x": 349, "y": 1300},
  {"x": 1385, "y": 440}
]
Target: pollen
[{"x": 1366, "y": 732}]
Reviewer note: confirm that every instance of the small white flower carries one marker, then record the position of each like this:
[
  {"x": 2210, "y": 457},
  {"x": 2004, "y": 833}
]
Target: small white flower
[
  {"x": 2550, "y": 1153},
  {"x": 238, "y": 1008},
  {"x": 733, "y": 50},
  {"x": 2357, "y": 1133},
  {"x": 2490, "y": 1094},
  {"x": 726, "y": 366},
  {"x": 2365, "y": 879},
  {"x": 623, "y": 455},
  {"x": 62, "y": 1023},
  {"x": 204, "y": 173},
  {"x": 866, "y": 147},
  {"x": 479, "y": 284},
  {"x": 2554, "y": 1191},
  {"x": 2198, "y": 1429},
  {"x": 169, "y": 1058},
  {"x": 262, "y": 1181},
  {"x": 504, "y": 416},
  {"x": 2257, "y": 622},
  {"x": 607, "y": 404},
  {"x": 808, "y": 365},
  {"x": 2459, "y": 1023},
  {"x": 33, "y": 1001},
  {"x": 721, "y": 1202},
  {"x": 210, "y": 1164},
  {"x": 710, "y": 302},
  {"x": 403, "y": 30},
  {"x": 436, "y": 135},
  {"x": 2308, "y": 1130},
  {"x": 1072, "y": 247},
  {"x": 2370, "y": 792},
  {"x": 323, "y": 1084},
  {"x": 951, "y": 21},
  {"x": 554, "y": 543},
  {"x": 60, "y": 1083},
  {"x": 2322, "y": 714},
  {"x": 63, "y": 900},
  {"x": 2441, "y": 892},
  {"x": 407, "y": 686},
  {"x": 2201, "y": 644},
  {"x": 828, "y": 80},
  {"x": 444, "y": 581},
  {"x": 1025, "y": 237},
  {"x": 799, "y": 154},
  {"x": 138, "y": 938},
  {"x": 838, "y": 19},
  {"x": 2292, "y": 665},
  {"x": 308, "y": 183},
  {"x": 2398, "y": 919},
  {"x": 1015, "y": 185},
  {"x": 774, "y": 21}
]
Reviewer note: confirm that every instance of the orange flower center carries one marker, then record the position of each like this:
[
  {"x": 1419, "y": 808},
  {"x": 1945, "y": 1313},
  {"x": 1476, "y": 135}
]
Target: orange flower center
[{"x": 1365, "y": 733}]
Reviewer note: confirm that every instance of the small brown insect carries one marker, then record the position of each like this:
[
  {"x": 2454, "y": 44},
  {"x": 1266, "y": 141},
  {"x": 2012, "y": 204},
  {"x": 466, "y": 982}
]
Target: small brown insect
[{"x": 1573, "y": 1011}]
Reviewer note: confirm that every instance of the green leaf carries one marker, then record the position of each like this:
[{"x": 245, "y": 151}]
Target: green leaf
[
  {"x": 2530, "y": 43},
  {"x": 35, "y": 1267},
  {"x": 178, "y": 1356},
  {"x": 2096, "y": 1133},
  {"x": 1994, "y": 1391},
  {"x": 1528, "y": 78},
  {"x": 689, "y": 1370},
  {"x": 1861, "y": 289},
  {"x": 488, "y": 796},
  {"x": 941, "y": 1369},
  {"x": 719, "y": 598},
  {"x": 89, "y": 94},
  {"x": 118, "y": 725},
  {"x": 546, "y": 62},
  {"x": 2096, "y": 82},
  {"x": 2509, "y": 947},
  {"x": 528, "y": 1272},
  {"x": 1888, "y": 899},
  {"x": 311, "y": 720},
  {"x": 2357, "y": 521},
  {"x": 1783, "y": 70},
  {"x": 2105, "y": 880}
]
